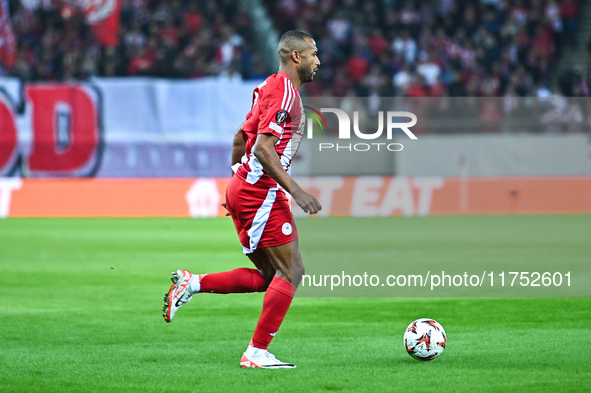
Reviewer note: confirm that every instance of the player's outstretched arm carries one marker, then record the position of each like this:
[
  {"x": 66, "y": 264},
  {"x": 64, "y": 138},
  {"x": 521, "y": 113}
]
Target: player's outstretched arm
[{"x": 264, "y": 151}]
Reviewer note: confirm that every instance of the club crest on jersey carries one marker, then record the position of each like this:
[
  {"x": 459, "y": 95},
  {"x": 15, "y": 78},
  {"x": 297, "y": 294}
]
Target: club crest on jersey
[
  {"x": 286, "y": 229},
  {"x": 280, "y": 117}
]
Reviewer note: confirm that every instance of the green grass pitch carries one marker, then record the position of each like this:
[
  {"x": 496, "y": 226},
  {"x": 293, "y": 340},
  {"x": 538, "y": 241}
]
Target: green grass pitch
[{"x": 80, "y": 311}]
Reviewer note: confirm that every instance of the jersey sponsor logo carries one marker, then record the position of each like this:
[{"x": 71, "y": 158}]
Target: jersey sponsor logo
[
  {"x": 286, "y": 228},
  {"x": 280, "y": 117}
]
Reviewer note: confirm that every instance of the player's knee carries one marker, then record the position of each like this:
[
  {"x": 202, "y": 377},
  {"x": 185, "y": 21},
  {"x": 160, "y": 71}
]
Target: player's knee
[
  {"x": 292, "y": 272},
  {"x": 297, "y": 270},
  {"x": 297, "y": 276}
]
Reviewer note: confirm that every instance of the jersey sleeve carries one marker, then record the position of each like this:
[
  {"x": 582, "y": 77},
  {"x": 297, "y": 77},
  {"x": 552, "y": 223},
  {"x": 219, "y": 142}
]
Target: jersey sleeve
[{"x": 274, "y": 111}]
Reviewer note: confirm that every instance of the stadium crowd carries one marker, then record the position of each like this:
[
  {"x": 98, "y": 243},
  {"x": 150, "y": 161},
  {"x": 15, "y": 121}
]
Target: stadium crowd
[
  {"x": 168, "y": 39},
  {"x": 407, "y": 48},
  {"x": 438, "y": 47}
]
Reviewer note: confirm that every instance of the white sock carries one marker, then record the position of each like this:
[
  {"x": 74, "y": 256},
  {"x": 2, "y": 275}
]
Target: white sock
[
  {"x": 195, "y": 284},
  {"x": 253, "y": 352}
]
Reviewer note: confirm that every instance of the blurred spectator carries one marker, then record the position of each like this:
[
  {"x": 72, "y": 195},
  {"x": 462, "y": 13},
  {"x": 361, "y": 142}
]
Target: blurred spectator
[
  {"x": 428, "y": 68},
  {"x": 568, "y": 13},
  {"x": 406, "y": 46}
]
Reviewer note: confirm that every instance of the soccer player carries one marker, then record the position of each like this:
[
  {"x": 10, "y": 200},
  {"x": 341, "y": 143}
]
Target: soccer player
[{"x": 262, "y": 151}]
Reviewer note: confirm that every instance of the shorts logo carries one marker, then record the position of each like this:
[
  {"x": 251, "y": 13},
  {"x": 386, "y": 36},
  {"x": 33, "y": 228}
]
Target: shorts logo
[
  {"x": 286, "y": 228},
  {"x": 280, "y": 117}
]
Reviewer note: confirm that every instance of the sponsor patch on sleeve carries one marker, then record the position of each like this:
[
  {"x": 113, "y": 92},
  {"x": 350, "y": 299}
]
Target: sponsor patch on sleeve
[{"x": 280, "y": 117}]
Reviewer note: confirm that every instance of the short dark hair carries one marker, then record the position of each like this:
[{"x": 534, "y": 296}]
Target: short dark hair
[{"x": 290, "y": 41}]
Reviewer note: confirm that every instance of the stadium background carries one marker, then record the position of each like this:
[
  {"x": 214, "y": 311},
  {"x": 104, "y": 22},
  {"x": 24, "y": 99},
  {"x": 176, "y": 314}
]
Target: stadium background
[
  {"x": 126, "y": 108},
  {"x": 155, "y": 89},
  {"x": 162, "y": 86}
]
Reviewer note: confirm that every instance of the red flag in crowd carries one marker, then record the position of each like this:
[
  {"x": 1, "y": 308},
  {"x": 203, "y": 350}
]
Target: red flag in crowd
[
  {"x": 7, "y": 40},
  {"x": 103, "y": 18}
]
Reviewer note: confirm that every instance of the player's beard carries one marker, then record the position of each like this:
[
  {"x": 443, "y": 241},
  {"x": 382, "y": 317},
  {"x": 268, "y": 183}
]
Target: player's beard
[{"x": 307, "y": 74}]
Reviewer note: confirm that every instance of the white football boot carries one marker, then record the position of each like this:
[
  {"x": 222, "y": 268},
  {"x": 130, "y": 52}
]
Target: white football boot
[
  {"x": 261, "y": 358},
  {"x": 179, "y": 293}
]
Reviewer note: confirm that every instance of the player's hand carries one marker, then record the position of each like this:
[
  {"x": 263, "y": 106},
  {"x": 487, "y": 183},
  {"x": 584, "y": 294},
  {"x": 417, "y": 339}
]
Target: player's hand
[
  {"x": 225, "y": 207},
  {"x": 307, "y": 202}
]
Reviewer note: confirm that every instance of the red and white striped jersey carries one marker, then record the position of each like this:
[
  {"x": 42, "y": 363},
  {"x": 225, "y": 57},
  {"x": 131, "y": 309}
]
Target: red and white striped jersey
[{"x": 276, "y": 109}]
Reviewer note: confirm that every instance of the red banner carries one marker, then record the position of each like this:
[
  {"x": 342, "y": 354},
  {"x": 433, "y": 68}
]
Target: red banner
[
  {"x": 8, "y": 138},
  {"x": 65, "y": 125}
]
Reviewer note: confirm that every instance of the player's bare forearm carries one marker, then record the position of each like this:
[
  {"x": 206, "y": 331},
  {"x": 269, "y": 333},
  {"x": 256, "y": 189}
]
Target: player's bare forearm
[
  {"x": 264, "y": 151},
  {"x": 238, "y": 146},
  {"x": 238, "y": 150}
]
